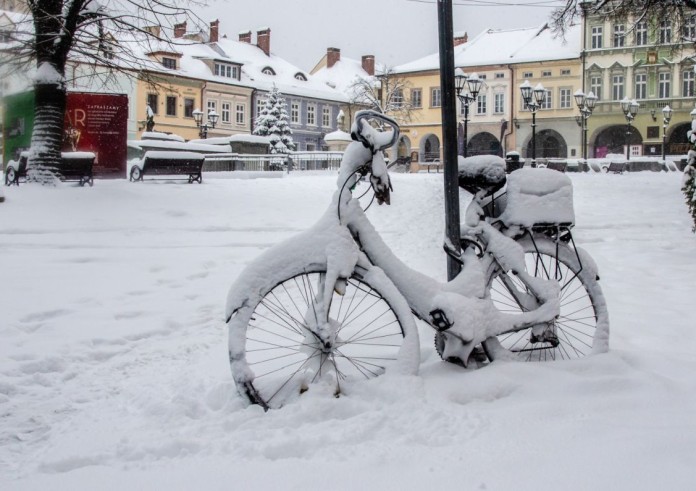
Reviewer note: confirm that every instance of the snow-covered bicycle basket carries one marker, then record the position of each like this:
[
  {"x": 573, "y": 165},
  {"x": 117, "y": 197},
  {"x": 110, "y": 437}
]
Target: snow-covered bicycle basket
[{"x": 538, "y": 196}]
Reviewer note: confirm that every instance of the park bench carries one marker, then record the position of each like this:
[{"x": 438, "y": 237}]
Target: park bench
[
  {"x": 169, "y": 164},
  {"x": 559, "y": 166},
  {"x": 616, "y": 167},
  {"x": 73, "y": 166}
]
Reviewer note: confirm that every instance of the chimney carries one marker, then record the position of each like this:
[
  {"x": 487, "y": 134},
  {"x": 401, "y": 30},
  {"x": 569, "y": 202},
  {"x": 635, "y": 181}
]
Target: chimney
[
  {"x": 214, "y": 31},
  {"x": 332, "y": 56},
  {"x": 180, "y": 30},
  {"x": 263, "y": 40},
  {"x": 245, "y": 37},
  {"x": 368, "y": 64},
  {"x": 461, "y": 39}
]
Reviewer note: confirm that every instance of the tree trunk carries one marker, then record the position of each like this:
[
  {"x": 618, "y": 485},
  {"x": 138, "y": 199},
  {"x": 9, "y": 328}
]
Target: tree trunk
[{"x": 47, "y": 137}]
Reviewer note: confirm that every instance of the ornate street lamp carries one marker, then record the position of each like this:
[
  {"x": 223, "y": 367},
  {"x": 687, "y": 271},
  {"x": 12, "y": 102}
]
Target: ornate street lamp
[
  {"x": 666, "y": 117},
  {"x": 203, "y": 127},
  {"x": 630, "y": 109},
  {"x": 586, "y": 104},
  {"x": 473, "y": 85},
  {"x": 533, "y": 100}
]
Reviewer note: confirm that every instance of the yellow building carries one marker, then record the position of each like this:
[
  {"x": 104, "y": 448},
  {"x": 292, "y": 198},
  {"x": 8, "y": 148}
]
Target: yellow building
[{"x": 496, "y": 122}]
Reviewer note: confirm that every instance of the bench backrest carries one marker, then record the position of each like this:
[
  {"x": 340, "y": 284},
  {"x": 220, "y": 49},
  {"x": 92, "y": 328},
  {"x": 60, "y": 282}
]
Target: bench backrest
[{"x": 172, "y": 163}]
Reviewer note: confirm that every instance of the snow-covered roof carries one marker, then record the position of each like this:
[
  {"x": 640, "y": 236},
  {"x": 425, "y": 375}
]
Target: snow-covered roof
[
  {"x": 342, "y": 75},
  {"x": 496, "y": 46},
  {"x": 254, "y": 61}
]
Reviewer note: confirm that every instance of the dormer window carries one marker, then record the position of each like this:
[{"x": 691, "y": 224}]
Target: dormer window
[
  {"x": 169, "y": 63},
  {"x": 300, "y": 76},
  {"x": 225, "y": 70},
  {"x": 268, "y": 71}
]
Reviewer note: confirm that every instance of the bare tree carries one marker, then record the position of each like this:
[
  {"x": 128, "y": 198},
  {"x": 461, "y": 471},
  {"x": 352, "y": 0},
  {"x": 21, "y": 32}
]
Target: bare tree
[
  {"x": 59, "y": 32},
  {"x": 388, "y": 93},
  {"x": 679, "y": 11}
]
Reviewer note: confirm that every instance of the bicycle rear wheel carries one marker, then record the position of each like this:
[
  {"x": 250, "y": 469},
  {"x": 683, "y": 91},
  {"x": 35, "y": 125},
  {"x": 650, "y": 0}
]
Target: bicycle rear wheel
[
  {"x": 276, "y": 351},
  {"x": 583, "y": 325}
]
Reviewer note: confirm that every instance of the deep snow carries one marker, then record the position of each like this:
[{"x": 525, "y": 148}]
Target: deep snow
[{"x": 114, "y": 372}]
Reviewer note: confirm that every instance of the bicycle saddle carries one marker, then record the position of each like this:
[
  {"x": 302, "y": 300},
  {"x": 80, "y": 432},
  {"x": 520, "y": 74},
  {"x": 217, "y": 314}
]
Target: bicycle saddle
[{"x": 482, "y": 172}]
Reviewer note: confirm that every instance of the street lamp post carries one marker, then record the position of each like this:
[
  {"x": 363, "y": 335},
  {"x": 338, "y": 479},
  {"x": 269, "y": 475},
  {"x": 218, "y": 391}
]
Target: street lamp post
[
  {"x": 586, "y": 104},
  {"x": 473, "y": 85},
  {"x": 203, "y": 127},
  {"x": 666, "y": 118},
  {"x": 533, "y": 100},
  {"x": 630, "y": 109}
]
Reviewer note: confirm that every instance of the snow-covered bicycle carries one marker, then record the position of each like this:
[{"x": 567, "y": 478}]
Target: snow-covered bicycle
[{"x": 334, "y": 304}]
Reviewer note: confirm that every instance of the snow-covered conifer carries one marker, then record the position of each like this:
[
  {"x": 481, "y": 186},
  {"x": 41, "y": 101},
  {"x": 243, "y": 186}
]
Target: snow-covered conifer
[{"x": 273, "y": 123}]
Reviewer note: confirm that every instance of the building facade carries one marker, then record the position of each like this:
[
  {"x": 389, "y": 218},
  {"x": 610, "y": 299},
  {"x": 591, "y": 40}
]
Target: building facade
[{"x": 649, "y": 60}]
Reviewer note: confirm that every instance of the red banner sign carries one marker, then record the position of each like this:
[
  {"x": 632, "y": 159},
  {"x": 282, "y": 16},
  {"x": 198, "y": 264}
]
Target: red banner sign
[{"x": 98, "y": 123}]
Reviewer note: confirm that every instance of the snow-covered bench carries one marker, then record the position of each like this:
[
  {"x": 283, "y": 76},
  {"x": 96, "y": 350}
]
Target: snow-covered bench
[
  {"x": 617, "y": 167},
  {"x": 554, "y": 165},
  {"x": 73, "y": 166},
  {"x": 169, "y": 164}
]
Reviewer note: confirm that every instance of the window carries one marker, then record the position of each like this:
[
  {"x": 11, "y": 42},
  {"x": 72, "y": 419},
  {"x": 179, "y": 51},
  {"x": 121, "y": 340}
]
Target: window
[
  {"x": 617, "y": 87},
  {"x": 169, "y": 63},
  {"x": 311, "y": 114},
  {"x": 564, "y": 97},
  {"x": 548, "y": 100},
  {"x": 398, "y": 97},
  {"x": 688, "y": 83},
  {"x": 482, "y": 76},
  {"x": 188, "y": 107},
  {"x": 565, "y": 72},
  {"x": 665, "y": 32},
  {"x": 596, "y": 37},
  {"x": 499, "y": 75},
  {"x": 596, "y": 86},
  {"x": 641, "y": 87},
  {"x": 226, "y": 109},
  {"x": 326, "y": 117},
  {"x": 481, "y": 104},
  {"x": 641, "y": 33},
  {"x": 546, "y": 73},
  {"x": 499, "y": 103},
  {"x": 152, "y": 101},
  {"x": 690, "y": 28},
  {"x": 259, "y": 107},
  {"x": 171, "y": 105},
  {"x": 295, "y": 112},
  {"x": 416, "y": 97},
  {"x": 228, "y": 71},
  {"x": 619, "y": 35},
  {"x": 212, "y": 106},
  {"x": 664, "y": 79},
  {"x": 435, "y": 97},
  {"x": 300, "y": 76},
  {"x": 240, "y": 113},
  {"x": 268, "y": 71},
  {"x": 527, "y": 75}
]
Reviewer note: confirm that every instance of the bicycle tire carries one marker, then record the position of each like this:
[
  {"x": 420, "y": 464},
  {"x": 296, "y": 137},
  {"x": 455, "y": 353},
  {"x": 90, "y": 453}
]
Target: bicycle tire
[
  {"x": 275, "y": 356},
  {"x": 583, "y": 325}
]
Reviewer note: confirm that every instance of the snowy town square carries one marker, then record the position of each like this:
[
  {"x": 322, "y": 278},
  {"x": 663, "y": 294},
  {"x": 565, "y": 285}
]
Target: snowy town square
[
  {"x": 347, "y": 245},
  {"x": 114, "y": 371}
]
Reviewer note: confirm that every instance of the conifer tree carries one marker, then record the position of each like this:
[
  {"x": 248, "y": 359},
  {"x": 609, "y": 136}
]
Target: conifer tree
[{"x": 273, "y": 123}]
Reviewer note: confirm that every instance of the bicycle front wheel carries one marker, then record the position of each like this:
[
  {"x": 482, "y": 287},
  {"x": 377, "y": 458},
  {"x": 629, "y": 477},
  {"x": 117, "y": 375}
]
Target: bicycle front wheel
[
  {"x": 284, "y": 352},
  {"x": 583, "y": 324}
]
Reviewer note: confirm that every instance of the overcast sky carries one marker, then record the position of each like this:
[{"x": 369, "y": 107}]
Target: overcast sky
[{"x": 395, "y": 31}]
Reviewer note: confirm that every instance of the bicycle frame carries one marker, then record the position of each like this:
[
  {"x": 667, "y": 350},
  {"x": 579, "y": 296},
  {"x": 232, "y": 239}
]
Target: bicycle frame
[{"x": 459, "y": 307}]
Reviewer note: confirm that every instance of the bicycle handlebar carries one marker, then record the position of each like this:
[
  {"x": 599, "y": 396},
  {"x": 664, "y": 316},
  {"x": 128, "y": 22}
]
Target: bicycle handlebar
[{"x": 375, "y": 140}]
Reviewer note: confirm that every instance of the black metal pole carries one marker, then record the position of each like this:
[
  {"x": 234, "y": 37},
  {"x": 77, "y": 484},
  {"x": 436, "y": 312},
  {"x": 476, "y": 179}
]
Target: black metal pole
[
  {"x": 628, "y": 139},
  {"x": 664, "y": 138},
  {"x": 466, "y": 130},
  {"x": 449, "y": 133},
  {"x": 584, "y": 138},
  {"x": 533, "y": 138}
]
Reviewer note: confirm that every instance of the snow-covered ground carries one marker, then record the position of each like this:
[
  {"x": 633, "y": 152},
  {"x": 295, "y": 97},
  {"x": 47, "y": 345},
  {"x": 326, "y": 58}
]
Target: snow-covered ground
[{"x": 114, "y": 371}]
